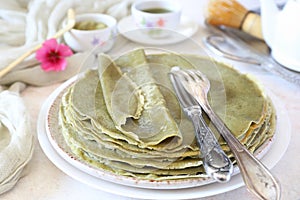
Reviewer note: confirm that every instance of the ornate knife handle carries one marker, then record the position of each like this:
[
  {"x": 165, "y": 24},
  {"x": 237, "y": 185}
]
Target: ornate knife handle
[{"x": 216, "y": 163}]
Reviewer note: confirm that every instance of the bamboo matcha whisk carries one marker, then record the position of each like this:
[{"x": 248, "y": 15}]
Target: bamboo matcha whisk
[{"x": 232, "y": 14}]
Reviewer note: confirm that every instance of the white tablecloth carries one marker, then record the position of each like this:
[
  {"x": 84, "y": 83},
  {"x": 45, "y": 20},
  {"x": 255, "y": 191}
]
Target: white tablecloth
[{"x": 44, "y": 181}]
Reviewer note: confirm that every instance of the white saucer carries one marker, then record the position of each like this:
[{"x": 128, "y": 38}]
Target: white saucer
[{"x": 186, "y": 29}]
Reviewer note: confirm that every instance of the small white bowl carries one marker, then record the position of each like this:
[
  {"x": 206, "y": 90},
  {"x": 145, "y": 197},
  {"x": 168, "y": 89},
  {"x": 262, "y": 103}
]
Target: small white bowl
[
  {"x": 159, "y": 24},
  {"x": 86, "y": 40}
]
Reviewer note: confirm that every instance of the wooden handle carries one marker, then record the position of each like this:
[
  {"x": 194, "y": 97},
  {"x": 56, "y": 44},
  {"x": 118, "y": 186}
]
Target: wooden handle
[
  {"x": 252, "y": 25},
  {"x": 9, "y": 67}
]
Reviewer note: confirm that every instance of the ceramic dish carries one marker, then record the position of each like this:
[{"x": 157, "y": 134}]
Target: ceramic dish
[
  {"x": 57, "y": 142},
  {"x": 116, "y": 186},
  {"x": 186, "y": 29},
  {"x": 85, "y": 40},
  {"x": 155, "y": 16}
]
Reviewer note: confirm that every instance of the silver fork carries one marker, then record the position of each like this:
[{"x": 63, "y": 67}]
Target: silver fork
[
  {"x": 257, "y": 177},
  {"x": 216, "y": 163}
]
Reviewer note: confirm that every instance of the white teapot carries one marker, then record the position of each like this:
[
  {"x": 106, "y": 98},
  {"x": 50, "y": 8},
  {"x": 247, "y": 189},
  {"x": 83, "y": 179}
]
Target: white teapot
[{"x": 281, "y": 31}]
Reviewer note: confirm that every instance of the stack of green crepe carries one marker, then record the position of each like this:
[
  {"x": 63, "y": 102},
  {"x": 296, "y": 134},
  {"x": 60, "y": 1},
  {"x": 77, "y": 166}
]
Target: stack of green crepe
[{"x": 125, "y": 117}]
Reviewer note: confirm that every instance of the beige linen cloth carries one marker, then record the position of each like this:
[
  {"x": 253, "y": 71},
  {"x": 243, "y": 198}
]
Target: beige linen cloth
[
  {"x": 16, "y": 141},
  {"x": 24, "y": 24}
]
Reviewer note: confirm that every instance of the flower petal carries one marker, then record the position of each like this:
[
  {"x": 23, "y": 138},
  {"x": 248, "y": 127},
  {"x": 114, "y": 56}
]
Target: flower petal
[
  {"x": 51, "y": 44},
  {"x": 64, "y": 50},
  {"x": 62, "y": 65},
  {"x": 41, "y": 54},
  {"x": 47, "y": 66}
]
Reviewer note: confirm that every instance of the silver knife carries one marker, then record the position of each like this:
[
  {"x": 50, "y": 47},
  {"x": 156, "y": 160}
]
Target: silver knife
[{"x": 216, "y": 163}]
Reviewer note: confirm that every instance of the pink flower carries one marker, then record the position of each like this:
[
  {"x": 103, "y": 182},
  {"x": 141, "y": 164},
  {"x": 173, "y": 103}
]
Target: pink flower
[{"x": 53, "y": 55}]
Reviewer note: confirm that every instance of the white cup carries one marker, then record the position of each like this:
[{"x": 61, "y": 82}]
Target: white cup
[
  {"x": 286, "y": 43},
  {"x": 156, "y": 18},
  {"x": 281, "y": 32},
  {"x": 85, "y": 40}
]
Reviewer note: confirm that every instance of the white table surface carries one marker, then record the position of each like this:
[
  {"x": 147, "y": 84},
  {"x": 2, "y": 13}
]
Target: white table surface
[{"x": 42, "y": 180}]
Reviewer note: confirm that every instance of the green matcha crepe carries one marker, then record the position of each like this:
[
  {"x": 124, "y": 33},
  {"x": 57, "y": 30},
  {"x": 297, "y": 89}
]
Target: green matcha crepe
[
  {"x": 125, "y": 118},
  {"x": 148, "y": 121}
]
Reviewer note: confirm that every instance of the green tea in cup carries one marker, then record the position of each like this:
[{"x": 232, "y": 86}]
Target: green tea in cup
[
  {"x": 156, "y": 10},
  {"x": 89, "y": 25}
]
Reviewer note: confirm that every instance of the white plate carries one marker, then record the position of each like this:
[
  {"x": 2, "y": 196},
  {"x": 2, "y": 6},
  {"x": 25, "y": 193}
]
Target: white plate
[
  {"x": 186, "y": 29},
  {"x": 271, "y": 157},
  {"x": 58, "y": 143}
]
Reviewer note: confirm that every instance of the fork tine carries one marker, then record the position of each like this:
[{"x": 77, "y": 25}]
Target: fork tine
[
  {"x": 183, "y": 75},
  {"x": 198, "y": 76},
  {"x": 200, "y": 79},
  {"x": 202, "y": 76},
  {"x": 195, "y": 77}
]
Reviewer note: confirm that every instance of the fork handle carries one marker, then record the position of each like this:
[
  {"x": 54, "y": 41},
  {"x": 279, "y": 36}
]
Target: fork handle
[
  {"x": 216, "y": 163},
  {"x": 257, "y": 177}
]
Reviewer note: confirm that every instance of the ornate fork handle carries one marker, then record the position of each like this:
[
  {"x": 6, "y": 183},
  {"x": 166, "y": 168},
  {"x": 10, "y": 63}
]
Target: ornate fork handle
[
  {"x": 215, "y": 161},
  {"x": 255, "y": 174}
]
